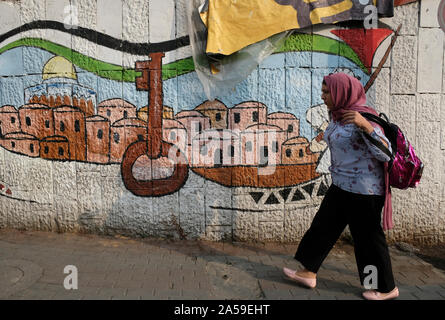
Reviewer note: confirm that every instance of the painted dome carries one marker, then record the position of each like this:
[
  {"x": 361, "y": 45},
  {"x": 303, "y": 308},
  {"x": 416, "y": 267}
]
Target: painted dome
[{"x": 59, "y": 67}]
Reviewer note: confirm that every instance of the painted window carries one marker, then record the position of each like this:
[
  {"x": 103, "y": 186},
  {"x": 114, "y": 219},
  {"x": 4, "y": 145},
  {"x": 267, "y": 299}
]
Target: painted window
[
  {"x": 77, "y": 125},
  {"x": 12, "y": 119},
  {"x": 62, "y": 126},
  {"x": 203, "y": 150},
  {"x": 290, "y": 128},
  {"x": 116, "y": 137},
  {"x": 218, "y": 117},
  {"x": 46, "y": 150},
  {"x": 237, "y": 117},
  {"x": 108, "y": 112},
  {"x": 125, "y": 114},
  {"x": 172, "y": 135},
  {"x": 255, "y": 116},
  {"x": 275, "y": 146},
  {"x": 100, "y": 134},
  {"x": 301, "y": 153},
  {"x": 231, "y": 151},
  {"x": 13, "y": 144},
  {"x": 61, "y": 151},
  {"x": 140, "y": 137},
  {"x": 288, "y": 153},
  {"x": 46, "y": 123},
  {"x": 248, "y": 146},
  {"x": 31, "y": 147},
  {"x": 28, "y": 121}
]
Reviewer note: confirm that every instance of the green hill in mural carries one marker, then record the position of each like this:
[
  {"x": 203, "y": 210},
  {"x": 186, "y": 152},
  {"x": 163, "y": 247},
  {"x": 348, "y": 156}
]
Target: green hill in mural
[{"x": 296, "y": 42}]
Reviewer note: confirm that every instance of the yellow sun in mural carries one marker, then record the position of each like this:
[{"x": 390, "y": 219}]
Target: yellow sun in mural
[{"x": 59, "y": 67}]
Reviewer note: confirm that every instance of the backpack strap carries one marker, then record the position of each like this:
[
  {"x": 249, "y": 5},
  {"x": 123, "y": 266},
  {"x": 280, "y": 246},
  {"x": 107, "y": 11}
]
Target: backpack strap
[
  {"x": 379, "y": 145},
  {"x": 376, "y": 142}
]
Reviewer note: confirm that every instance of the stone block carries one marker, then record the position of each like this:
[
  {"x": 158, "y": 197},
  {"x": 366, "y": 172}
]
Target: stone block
[
  {"x": 168, "y": 204},
  {"x": 378, "y": 95},
  {"x": 245, "y": 220},
  {"x": 192, "y": 200},
  {"x": 31, "y": 10},
  {"x": 66, "y": 215},
  {"x": 162, "y": 22},
  {"x": 298, "y": 59},
  {"x": 427, "y": 146},
  {"x": 404, "y": 65},
  {"x": 192, "y": 225},
  {"x": 442, "y": 123},
  {"x": 297, "y": 222},
  {"x": 109, "y": 21},
  {"x": 271, "y": 216},
  {"x": 408, "y": 16},
  {"x": 428, "y": 13},
  {"x": 271, "y": 231},
  {"x": 65, "y": 183},
  {"x": 218, "y": 217},
  {"x": 11, "y": 15},
  {"x": 11, "y": 90},
  {"x": 218, "y": 233},
  {"x": 429, "y": 73},
  {"x": 89, "y": 192},
  {"x": 428, "y": 107},
  {"x": 402, "y": 111}
]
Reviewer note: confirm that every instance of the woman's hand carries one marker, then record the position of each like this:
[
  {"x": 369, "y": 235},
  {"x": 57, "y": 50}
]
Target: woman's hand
[
  {"x": 360, "y": 121},
  {"x": 357, "y": 119}
]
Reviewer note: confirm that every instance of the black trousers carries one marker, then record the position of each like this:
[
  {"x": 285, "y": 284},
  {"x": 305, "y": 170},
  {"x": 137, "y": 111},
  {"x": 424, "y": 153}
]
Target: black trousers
[{"x": 363, "y": 215}]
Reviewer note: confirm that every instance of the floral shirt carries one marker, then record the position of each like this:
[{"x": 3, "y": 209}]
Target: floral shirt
[{"x": 356, "y": 163}]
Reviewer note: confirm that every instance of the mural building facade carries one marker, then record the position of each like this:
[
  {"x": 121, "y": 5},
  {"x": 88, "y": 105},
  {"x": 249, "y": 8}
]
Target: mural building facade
[{"x": 101, "y": 137}]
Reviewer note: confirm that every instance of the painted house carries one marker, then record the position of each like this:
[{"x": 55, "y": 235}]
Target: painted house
[
  {"x": 215, "y": 148},
  {"x": 9, "y": 120},
  {"x": 195, "y": 123},
  {"x": 116, "y": 109},
  {"x": 261, "y": 144},
  {"x": 216, "y": 111},
  {"x": 167, "y": 113},
  {"x": 296, "y": 151},
  {"x": 247, "y": 114},
  {"x": 55, "y": 148},
  {"x": 123, "y": 133},
  {"x": 69, "y": 122},
  {"x": 22, "y": 143},
  {"x": 174, "y": 132},
  {"x": 37, "y": 120},
  {"x": 286, "y": 121},
  {"x": 98, "y": 139}
]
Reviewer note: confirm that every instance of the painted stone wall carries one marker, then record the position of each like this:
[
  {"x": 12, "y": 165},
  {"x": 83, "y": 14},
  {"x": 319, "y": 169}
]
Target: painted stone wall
[{"x": 80, "y": 152}]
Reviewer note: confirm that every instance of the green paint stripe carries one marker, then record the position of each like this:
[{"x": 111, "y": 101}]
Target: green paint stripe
[
  {"x": 296, "y": 42},
  {"x": 318, "y": 43}
]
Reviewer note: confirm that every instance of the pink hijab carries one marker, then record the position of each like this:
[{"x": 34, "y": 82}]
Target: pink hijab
[{"x": 347, "y": 94}]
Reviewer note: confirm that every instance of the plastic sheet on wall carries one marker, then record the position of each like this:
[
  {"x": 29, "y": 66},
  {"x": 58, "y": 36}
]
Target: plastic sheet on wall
[
  {"x": 230, "y": 38},
  {"x": 220, "y": 73}
]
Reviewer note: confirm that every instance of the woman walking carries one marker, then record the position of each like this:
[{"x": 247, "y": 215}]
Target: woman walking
[{"x": 357, "y": 195}]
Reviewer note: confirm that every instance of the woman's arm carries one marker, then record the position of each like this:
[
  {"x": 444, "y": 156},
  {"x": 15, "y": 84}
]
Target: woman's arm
[{"x": 365, "y": 126}]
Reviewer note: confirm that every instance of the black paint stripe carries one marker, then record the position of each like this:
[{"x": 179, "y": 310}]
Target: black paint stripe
[{"x": 101, "y": 38}]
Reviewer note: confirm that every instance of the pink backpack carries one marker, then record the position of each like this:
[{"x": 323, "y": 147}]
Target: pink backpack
[{"x": 405, "y": 168}]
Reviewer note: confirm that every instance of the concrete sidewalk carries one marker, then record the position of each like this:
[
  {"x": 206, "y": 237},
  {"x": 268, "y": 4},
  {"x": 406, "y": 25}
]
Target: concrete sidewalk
[{"x": 32, "y": 267}]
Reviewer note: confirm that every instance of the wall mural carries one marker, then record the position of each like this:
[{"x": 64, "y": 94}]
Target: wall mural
[{"x": 81, "y": 109}]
